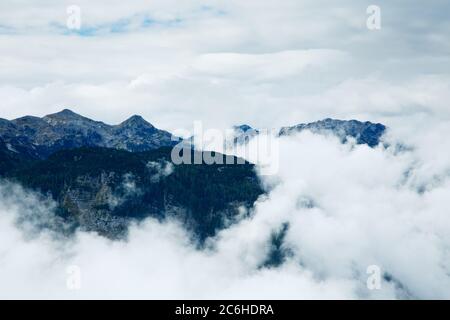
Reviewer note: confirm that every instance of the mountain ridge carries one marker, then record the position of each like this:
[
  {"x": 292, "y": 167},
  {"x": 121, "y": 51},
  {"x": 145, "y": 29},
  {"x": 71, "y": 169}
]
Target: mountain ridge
[
  {"x": 38, "y": 138},
  {"x": 363, "y": 132}
]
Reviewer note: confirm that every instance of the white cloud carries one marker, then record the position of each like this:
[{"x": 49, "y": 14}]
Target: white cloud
[
  {"x": 347, "y": 207},
  {"x": 269, "y": 64},
  {"x": 159, "y": 170},
  {"x": 225, "y": 62},
  {"x": 263, "y": 67}
]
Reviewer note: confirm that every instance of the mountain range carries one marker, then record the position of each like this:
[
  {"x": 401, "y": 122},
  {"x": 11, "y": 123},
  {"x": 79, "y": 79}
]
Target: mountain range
[
  {"x": 363, "y": 132},
  {"x": 103, "y": 177},
  {"x": 37, "y": 138}
]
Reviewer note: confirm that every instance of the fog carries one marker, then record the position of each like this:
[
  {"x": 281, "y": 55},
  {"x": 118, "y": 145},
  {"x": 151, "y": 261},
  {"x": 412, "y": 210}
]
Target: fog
[{"x": 346, "y": 207}]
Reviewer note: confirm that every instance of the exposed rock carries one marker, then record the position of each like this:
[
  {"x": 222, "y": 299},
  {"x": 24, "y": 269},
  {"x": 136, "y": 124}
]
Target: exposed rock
[
  {"x": 37, "y": 138},
  {"x": 364, "y": 132}
]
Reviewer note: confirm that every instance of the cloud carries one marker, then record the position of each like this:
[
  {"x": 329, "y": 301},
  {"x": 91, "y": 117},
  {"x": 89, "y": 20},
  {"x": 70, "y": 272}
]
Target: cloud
[
  {"x": 157, "y": 261},
  {"x": 126, "y": 191},
  {"x": 347, "y": 207},
  {"x": 227, "y": 62},
  {"x": 269, "y": 64},
  {"x": 160, "y": 170},
  {"x": 263, "y": 67}
]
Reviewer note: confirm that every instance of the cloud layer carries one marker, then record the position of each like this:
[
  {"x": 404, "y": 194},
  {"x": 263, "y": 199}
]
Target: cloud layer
[
  {"x": 347, "y": 207},
  {"x": 265, "y": 63},
  {"x": 269, "y": 64}
]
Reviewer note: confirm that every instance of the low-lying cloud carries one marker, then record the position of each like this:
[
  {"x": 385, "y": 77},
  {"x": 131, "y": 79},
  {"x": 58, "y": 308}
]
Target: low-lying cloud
[{"x": 346, "y": 207}]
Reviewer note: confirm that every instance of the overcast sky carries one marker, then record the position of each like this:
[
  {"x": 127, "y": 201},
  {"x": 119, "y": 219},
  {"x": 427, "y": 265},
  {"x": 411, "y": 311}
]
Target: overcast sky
[{"x": 267, "y": 63}]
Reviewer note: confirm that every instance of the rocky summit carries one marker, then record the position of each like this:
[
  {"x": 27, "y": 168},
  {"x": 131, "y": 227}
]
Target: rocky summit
[
  {"x": 38, "y": 138},
  {"x": 363, "y": 132}
]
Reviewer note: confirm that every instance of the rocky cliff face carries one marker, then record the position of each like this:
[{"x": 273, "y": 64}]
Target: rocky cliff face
[{"x": 38, "y": 138}]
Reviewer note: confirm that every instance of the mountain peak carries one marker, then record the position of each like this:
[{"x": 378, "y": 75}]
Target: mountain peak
[
  {"x": 64, "y": 114},
  {"x": 364, "y": 132},
  {"x": 136, "y": 121},
  {"x": 67, "y": 112}
]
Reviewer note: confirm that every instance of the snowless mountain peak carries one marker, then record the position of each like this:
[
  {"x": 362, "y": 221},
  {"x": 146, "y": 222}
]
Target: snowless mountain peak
[
  {"x": 38, "y": 138},
  {"x": 136, "y": 121},
  {"x": 64, "y": 114}
]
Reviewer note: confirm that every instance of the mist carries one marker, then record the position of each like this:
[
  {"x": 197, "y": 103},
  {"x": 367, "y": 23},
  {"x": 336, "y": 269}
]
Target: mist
[{"x": 344, "y": 207}]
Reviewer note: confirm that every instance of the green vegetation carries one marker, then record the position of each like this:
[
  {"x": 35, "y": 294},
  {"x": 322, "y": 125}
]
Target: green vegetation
[{"x": 202, "y": 196}]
